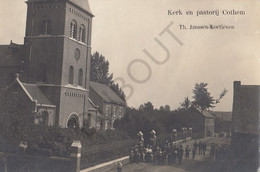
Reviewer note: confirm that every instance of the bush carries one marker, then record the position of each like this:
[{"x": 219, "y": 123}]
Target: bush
[
  {"x": 51, "y": 140},
  {"x": 90, "y": 132}
]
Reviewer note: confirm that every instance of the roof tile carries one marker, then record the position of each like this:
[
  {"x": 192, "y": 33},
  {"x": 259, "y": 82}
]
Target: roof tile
[
  {"x": 37, "y": 94},
  {"x": 107, "y": 94}
]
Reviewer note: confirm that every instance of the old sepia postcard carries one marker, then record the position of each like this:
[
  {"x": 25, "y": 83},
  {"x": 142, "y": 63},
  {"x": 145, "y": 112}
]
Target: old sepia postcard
[{"x": 129, "y": 85}]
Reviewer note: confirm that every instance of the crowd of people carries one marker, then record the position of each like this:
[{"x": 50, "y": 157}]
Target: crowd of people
[
  {"x": 219, "y": 152},
  {"x": 163, "y": 152},
  {"x": 172, "y": 153}
]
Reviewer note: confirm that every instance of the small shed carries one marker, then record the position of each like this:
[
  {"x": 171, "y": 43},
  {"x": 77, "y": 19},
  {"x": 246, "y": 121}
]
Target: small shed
[{"x": 202, "y": 122}]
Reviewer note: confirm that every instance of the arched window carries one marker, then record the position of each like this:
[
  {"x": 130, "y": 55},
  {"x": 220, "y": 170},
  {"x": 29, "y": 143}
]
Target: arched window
[
  {"x": 41, "y": 75},
  {"x": 73, "y": 29},
  {"x": 71, "y": 75},
  {"x": 45, "y": 27},
  {"x": 73, "y": 121},
  {"x": 80, "y": 77},
  {"x": 82, "y": 33}
]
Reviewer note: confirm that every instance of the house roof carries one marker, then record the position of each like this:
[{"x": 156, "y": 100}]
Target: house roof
[
  {"x": 106, "y": 93},
  {"x": 36, "y": 94},
  {"x": 225, "y": 116},
  {"x": 91, "y": 105},
  {"x": 10, "y": 55},
  {"x": 205, "y": 113}
]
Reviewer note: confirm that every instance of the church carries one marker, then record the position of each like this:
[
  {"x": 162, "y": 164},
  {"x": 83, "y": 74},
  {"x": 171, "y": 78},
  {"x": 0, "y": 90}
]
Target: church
[{"x": 49, "y": 73}]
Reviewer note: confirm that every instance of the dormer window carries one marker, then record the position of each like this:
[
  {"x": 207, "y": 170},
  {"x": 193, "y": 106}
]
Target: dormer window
[
  {"x": 82, "y": 33},
  {"x": 73, "y": 29},
  {"x": 45, "y": 26}
]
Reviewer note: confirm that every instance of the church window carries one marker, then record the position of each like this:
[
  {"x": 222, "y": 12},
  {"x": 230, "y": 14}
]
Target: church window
[
  {"x": 45, "y": 28},
  {"x": 82, "y": 33},
  {"x": 80, "y": 77},
  {"x": 73, "y": 29},
  {"x": 71, "y": 75},
  {"x": 77, "y": 54},
  {"x": 42, "y": 70}
]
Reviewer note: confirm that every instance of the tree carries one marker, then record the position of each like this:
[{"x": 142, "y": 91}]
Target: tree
[
  {"x": 186, "y": 104},
  {"x": 118, "y": 90},
  {"x": 202, "y": 97},
  {"x": 141, "y": 108},
  {"x": 166, "y": 108},
  {"x": 161, "y": 108},
  {"x": 99, "y": 72},
  {"x": 147, "y": 107}
]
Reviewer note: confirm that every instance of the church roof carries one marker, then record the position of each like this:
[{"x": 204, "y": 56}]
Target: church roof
[
  {"x": 84, "y": 4},
  {"x": 36, "y": 94},
  {"x": 10, "y": 55},
  {"x": 106, "y": 93}
]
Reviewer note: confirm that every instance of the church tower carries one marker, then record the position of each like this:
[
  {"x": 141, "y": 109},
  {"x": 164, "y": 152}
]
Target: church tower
[{"x": 58, "y": 50}]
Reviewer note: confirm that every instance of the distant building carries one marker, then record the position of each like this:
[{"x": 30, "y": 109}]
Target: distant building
[
  {"x": 12, "y": 61},
  {"x": 53, "y": 63},
  {"x": 245, "y": 131},
  {"x": 223, "y": 121},
  {"x": 110, "y": 106},
  {"x": 202, "y": 122}
]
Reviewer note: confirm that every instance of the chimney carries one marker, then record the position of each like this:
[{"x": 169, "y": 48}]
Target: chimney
[{"x": 237, "y": 84}]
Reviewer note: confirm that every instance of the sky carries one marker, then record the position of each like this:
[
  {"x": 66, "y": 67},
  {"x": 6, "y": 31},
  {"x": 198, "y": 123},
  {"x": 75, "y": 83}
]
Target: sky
[{"x": 122, "y": 29}]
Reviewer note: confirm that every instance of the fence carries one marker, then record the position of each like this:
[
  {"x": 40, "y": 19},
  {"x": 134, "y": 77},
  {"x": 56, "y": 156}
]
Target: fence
[
  {"x": 106, "y": 152},
  {"x": 94, "y": 155},
  {"x": 102, "y": 153}
]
